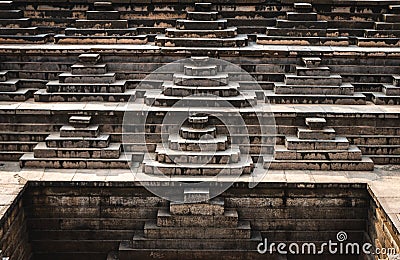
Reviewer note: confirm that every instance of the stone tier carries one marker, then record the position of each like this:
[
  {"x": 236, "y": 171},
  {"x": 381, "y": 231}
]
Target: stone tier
[
  {"x": 207, "y": 70},
  {"x": 190, "y": 169},
  {"x": 184, "y": 91},
  {"x": 76, "y": 87},
  {"x": 220, "y": 24},
  {"x": 55, "y": 140},
  {"x": 345, "y": 89},
  {"x": 30, "y": 161},
  {"x": 353, "y": 153},
  {"x": 10, "y": 89},
  {"x": 165, "y": 155},
  {"x": 238, "y": 41},
  {"x": 292, "y": 40},
  {"x": 229, "y": 32},
  {"x": 156, "y": 98},
  {"x": 188, "y": 132},
  {"x": 67, "y": 77},
  {"x": 100, "y": 32},
  {"x": 220, "y": 79},
  {"x": 219, "y": 143}
]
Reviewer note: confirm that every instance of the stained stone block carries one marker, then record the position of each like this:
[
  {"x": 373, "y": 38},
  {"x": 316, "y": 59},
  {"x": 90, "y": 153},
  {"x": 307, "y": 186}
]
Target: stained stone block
[
  {"x": 103, "y": 6},
  {"x": 321, "y": 134},
  {"x": 89, "y": 68},
  {"x": 80, "y": 121},
  {"x": 395, "y": 9},
  {"x": 104, "y": 24},
  {"x": 313, "y": 71},
  {"x": 194, "y": 133},
  {"x": 315, "y": 123},
  {"x": 3, "y": 76},
  {"x": 311, "y": 62},
  {"x": 212, "y": 208},
  {"x": 396, "y": 80},
  {"x": 203, "y": 7},
  {"x": 391, "y": 90},
  {"x": 301, "y": 24},
  {"x": 87, "y": 78},
  {"x": 89, "y": 58},
  {"x": 294, "y": 16},
  {"x": 9, "y": 85},
  {"x": 222, "y": 79},
  {"x": 55, "y": 140},
  {"x": 103, "y": 15},
  {"x": 203, "y": 16},
  {"x": 303, "y": 7},
  {"x": 200, "y": 71},
  {"x": 201, "y": 25},
  {"x": 71, "y": 131},
  {"x": 195, "y": 195}
]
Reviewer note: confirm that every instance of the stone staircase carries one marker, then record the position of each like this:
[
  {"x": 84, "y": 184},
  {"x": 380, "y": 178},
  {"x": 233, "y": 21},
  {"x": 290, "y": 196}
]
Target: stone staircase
[
  {"x": 318, "y": 148},
  {"x": 102, "y": 26},
  {"x": 78, "y": 145},
  {"x": 11, "y": 90},
  {"x": 390, "y": 94},
  {"x": 203, "y": 27},
  {"x": 314, "y": 84},
  {"x": 198, "y": 150},
  {"x": 197, "y": 228},
  {"x": 15, "y": 28},
  {"x": 302, "y": 27},
  {"x": 88, "y": 80}
]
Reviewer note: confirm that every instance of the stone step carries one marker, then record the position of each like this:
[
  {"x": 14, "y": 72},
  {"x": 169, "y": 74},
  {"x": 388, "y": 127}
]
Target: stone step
[
  {"x": 391, "y": 18},
  {"x": 113, "y": 151},
  {"x": 356, "y": 99},
  {"x": 10, "y": 155},
  {"x": 273, "y": 31},
  {"x": 201, "y": 25},
  {"x": 396, "y": 80},
  {"x": 311, "y": 62},
  {"x": 294, "y": 143},
  {"x": 379, "y": 149},
  {"x": 26, "y": 136},
  {"x": 43, "y": 96},
  {"x": 11, "y": 14},
  {"x": 303, "y": 7},
  {"x": 98, "y": 39},
  {"x": 197, "y": 133},
  {"x": 377, "y": 42},
  {"x": 202, "y": 16},
  {"x": 6, "y": 5},
  {"x": 103, "y": 6},
  {"x": 213, "y": 207},
  {"x": 282, "y": 153},
  {"x": 242, "y": 231},
  {"x": 101, "y": 32},
  {"x": 238, "y": 41},
  {"x": 394, "y": 9},
  {"x": 196, "y": 195},
  {"x": 203, "y": 7},
  {"x": 301, "y": 24},
  {"x": 28, "y": 160},
  {"x": 165, "y": 155},
  {"x": 221, "y": 79},
  {"x": 156, "y": 168},
  {"x": 19, "y": 31},
  {"x": 318, "y": 71},
  {"x": 244, "y": 100},
  {"x": 71, "y": 131},
  {"x": 55, "y": 140},
  {"x": 101, "y": 24},
  {"x": 315, "y": 123},
  {"x": 89, "y": 58},
  {"x": 285, "y": 40},
  {"x": 219, "y": 143},
  {"x": 383, "y": 99},
  {"x": 21, "y": 94},
  {"x": 165, "y": 219},
  {"x": 391, "y": 90},
  {"x": 295, "y": 16},
  {"x": 369, "y": 33},
  {"x": 23, "y": 146},
  {"x": 229, "y": 32},
  {"x": 26, "y": 39},
  {"x": 102, "y": 15},
  {"x": 386, "y": 26},
  {"x": 3, "y": 75},
  {"x": 16, "y": 23},
  {"x": 331, "y": 80},
  {"x": 190, "y": 70},
  {"x": 89, "y": 69},
  {"x": 67, "y": 77},
  {"x": 385, "y": 159},
  {"x": 140, "y": 242},
  {"x": 366, "y": 164},
  {"x": 345, "y": 89},
  {"x": 324, "y": 134},
  {"x": 116, "y": 87},
  {"x": 9, "y": 86},
  {"x": 184, "y": 91},
  {"x": 80, "y": 121}
]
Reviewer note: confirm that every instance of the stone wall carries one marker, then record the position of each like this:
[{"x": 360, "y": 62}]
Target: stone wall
[
  {"x": 82, "y": 220},
  {"x": 14, "y": 241}
]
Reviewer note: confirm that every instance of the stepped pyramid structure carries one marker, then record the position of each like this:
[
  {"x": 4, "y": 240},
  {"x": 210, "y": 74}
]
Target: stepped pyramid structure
[
  {"x": 15, "y": 28},
  {"x": 203, "y": 27},
  {"x": 391, "y": 93},
  {"x": 200, "y": 85},
  {"x": 318, "y": 148},
  {"x": 11, "y": 90},
  {"x": 88, "y": 80},
  {"x": 314, "y": 84},
  {"x": 302, "y": 27},
  {"x": 198, "y": 150},
  {"x": 192, "y": 228},
  {"x": 102, "y": 26},
  {"x": 78, "y": 145}
]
